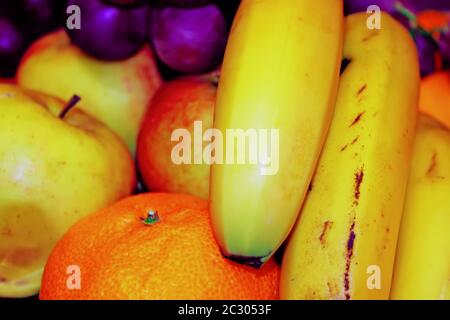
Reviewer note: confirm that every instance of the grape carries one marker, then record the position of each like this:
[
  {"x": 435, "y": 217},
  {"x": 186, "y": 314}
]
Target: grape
[
  {"x": 111, "y": 32},
  {"x": 37, "y": 17},
  {"x": 12, "y": 45},
  {"x": 420, "y": 5},
  {"x": 189, "y": 40},
  {"x": 352, "y": 6},
  {"x": 229, "y": 9},
  {"x": 183, "y": 3},
  {"x": 7, "y": 9},
  {"x": 444, "y": 46},
  {"x": 34, "y": 17},
  {"x": 125, "y": 3},
  {"x": 427, "y": 48}
]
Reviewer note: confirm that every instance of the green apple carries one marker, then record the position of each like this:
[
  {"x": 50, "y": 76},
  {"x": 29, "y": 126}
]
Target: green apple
[
  {"x": 116, "y": 93},
  {"x": 56, "y": 166}
]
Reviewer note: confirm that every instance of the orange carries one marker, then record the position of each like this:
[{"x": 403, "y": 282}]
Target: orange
[
  {"x": 432, "y": 20},
  {"x": 435, "y": 96},
  {"x": 116, "y": 254}
]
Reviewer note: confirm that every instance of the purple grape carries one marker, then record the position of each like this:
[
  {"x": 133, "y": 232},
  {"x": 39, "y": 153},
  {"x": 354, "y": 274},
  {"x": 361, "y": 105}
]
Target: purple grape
[
  {"x": 229, "y": 9},
  {"x": 183, "y": 3},
  {"x": 444, "y": 46},
  {"x": 12, "y": 45},
  {"x": 111, "y": 32},
  {"x": 189, "y": 40},
  {"x": 420, "y": 5},
  {"x": 352, "y": 6},
  {"x": 125, "y": 3},
  {"x": 427, "y": 48},
  {"x": 7, "y": 9},
  {"x": 37, "y": 17}
]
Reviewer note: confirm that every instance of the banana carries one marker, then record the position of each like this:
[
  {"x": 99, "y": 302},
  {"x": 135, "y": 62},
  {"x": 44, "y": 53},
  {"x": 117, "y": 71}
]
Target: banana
[
  {"x": 422, "y": 265},
  {"x": 280, "y": 73},
  {"x": 344, "y": 241}
]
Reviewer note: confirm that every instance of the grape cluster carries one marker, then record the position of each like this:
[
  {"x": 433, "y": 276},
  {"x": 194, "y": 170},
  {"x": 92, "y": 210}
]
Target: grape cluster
[
  {"x": 12, "y": 45},
  {"x": 21, "y": 22},
  {"x": 187, "y": 35}
]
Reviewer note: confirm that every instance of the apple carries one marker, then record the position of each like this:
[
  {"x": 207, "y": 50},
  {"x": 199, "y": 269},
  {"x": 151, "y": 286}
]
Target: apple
[
  {"x": 57, "y": 165},
  {"x": 116, "y": 93},
  {"x": 177, "y": 104}
]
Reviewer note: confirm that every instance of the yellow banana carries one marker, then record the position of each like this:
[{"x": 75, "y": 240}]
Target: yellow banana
[
  {"x": 280, "y": 73},
  {"x": 422, "y": 265},
  {"x": 343, "y": 244}
]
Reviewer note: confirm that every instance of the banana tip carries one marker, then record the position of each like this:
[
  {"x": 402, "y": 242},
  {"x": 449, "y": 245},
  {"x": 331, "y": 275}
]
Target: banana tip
[{"x": 254, "y": 262}]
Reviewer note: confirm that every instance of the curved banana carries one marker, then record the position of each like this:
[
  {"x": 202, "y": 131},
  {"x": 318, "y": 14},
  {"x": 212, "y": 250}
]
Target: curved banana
[
  {"x": 422, "y": 265},
  {"x": 344, "y": 242},
  {"x": 280, "y": 74}
]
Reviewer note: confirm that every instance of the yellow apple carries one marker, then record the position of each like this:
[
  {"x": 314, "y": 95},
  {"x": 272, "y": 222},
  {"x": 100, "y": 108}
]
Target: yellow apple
[
  {"x": 116, "y": 93},
  {"x": 54, "y": 170}
]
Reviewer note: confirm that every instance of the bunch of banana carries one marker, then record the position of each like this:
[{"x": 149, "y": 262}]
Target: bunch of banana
[
  {"x": 280, "y": 73},
  {"x": 344, "y": 242},
  {"x": 422, "y": 263}
]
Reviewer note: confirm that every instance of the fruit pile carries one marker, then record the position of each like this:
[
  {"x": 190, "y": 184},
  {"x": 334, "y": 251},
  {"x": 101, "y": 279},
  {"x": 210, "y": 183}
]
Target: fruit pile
[{"x": 120, "y": 177}]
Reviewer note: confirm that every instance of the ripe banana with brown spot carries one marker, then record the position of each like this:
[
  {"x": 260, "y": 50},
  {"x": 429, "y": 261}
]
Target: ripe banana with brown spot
[
  {"x": 280, "y": 72},
  {"x": 343, "y": 244},
  {"x": 422, "y": 262}
]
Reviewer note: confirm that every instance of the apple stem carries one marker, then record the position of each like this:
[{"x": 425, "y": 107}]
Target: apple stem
[{"x": 69, "y": 106}]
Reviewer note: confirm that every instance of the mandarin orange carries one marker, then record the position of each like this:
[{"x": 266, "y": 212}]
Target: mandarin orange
[
  {"x": 127, "y": 251},
  {"x": 435, "y": 96}
]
